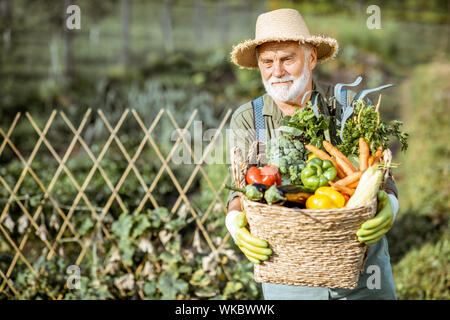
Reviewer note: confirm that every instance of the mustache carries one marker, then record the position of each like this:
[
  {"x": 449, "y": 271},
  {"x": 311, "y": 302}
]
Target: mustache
[{"x": 282, "y": 79}]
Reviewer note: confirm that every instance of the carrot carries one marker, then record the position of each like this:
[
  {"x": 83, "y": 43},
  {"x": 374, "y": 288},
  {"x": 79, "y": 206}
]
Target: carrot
[
  {"x": 322, "y": 155},
  {"x": 364, "y": 152},
  {"x": 354, "y": 177},
  {"x": 379, "y": 152},
  {"x": 341, "y": 159},
  {"x": 371, "y": 160},
  {"x": 340, "y": 188},
  {"x": 346, "y": 197},
  {"x": 353, "y": 185},
  {"x": 378, "y": 155}
]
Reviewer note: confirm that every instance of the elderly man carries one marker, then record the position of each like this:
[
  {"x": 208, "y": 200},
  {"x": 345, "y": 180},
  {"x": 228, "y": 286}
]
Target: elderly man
[{"x": 286, "y": 53}]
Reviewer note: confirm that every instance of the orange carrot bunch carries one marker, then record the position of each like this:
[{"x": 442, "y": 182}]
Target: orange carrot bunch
[{"x": 348, "y": 175}]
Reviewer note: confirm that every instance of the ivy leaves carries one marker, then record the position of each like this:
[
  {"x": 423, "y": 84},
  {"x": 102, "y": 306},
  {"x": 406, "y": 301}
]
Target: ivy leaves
[{"x": 170, "y": 286}]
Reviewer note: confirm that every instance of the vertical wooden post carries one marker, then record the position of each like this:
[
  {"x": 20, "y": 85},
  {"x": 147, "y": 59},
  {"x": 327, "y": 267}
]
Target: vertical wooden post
[
  {"x": 199, "y": 20},
  {"x": 68, "y": 58},
  {"x": 6, "y": 17},
  {"x": 224, "y": 22},
  {"x": 166, "y": 24},
  {"x": 125, "y": 13}
]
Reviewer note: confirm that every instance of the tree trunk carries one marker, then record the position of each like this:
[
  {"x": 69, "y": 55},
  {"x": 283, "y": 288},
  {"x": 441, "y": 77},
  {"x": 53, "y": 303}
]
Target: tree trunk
[
  {"x": 167, "y": 25},
  {"x": 224, "y": 22},
  {"x": 199, "y": 20},
  {"x": 6, "y": 17},
  {"x": 68, "y": 46},
  {"x": 247, "y": 7},
  {"x": 125, "y": 10}
]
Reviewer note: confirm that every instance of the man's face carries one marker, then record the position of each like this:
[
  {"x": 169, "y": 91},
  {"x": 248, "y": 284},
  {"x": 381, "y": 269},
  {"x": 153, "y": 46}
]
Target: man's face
[{"x": 285, "y": 69}]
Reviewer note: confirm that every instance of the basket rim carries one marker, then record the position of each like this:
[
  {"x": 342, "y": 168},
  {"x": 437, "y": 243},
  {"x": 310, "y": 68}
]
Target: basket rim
[{"x": 300, "y": 210}]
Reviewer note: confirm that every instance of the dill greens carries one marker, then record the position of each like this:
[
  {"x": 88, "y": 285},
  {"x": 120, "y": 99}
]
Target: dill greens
[{"x": 367, "y": 128}]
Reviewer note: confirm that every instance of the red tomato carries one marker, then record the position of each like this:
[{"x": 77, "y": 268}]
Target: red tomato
[{"x": 268, "y": 175}]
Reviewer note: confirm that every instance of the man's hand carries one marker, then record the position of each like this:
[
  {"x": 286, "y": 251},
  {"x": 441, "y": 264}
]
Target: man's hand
[
  {"x": 374, "y": 229},
  {"x": 255, "y": 249}
]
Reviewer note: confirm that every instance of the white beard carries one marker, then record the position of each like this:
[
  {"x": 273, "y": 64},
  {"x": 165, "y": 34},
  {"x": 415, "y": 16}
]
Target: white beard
[{"x": 288, "y": 92}]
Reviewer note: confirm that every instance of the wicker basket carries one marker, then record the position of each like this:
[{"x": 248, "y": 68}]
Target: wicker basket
[{"x": 314, "y": 248}]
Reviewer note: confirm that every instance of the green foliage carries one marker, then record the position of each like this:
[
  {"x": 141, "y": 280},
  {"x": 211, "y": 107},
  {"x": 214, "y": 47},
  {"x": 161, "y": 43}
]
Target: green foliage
[
  {"x": 363, "y": 125},
  {"x": 424, "y": 170},
  {"x": 312, "y": 130},
  {"x": 170, "y": 267},
  {"x": 420, "y": 236},
  {"x": 423, "y": 272}
]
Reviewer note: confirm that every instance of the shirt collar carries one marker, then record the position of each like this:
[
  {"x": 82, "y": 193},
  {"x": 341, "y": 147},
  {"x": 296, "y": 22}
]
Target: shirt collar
[{"x": 270, "y": 108}]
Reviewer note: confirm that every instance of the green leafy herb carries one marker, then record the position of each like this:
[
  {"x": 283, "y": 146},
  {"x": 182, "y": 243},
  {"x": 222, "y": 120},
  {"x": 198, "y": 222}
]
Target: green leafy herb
[
  {"x": 312, "y": 129},
  {"x": 367, "y": 124}
]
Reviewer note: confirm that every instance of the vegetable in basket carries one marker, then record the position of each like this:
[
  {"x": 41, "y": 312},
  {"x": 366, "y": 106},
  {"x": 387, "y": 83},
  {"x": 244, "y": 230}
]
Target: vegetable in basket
[
  {"x": 367, "y": 187},
  {"x": 291, "y": 193},
  {"x": 317, "y": 173},
  {"x": 366, "y": 123},
  {"x": 325, "y": 198},
  {"x": 313, "y": 129},
  {"x": 254, "y": 191},
  {"x": 288, "y": 154},
  {"x": 268, "y": 175}
]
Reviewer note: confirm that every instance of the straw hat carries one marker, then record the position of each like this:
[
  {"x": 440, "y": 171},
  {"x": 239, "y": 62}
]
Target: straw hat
[{"x": 281, "y": 25}]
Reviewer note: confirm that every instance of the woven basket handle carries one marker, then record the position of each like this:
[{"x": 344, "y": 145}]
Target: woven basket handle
[
  {"x": 239, "y": 167},
  {"x": 237, "y": 164}
]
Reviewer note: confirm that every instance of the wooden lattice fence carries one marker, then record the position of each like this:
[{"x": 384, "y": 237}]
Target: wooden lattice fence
[{"x": 65, "y": 211}]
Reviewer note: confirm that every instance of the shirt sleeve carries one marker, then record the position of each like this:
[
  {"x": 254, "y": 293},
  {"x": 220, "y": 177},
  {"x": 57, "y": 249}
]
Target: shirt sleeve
[
  {"x": 240, "y": 134},
  {"x": 391, "y": 189}
]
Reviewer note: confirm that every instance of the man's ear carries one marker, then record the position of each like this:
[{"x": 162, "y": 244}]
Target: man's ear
[{"x": 312, "y": 58}]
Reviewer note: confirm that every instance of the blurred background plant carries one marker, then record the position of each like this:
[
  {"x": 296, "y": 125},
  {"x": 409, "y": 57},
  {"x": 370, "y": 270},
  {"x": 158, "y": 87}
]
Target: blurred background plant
[{"x": 173, "y": 54}]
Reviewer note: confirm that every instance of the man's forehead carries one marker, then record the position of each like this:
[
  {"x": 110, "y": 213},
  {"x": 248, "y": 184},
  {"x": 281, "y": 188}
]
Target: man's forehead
[{"x": 283, "y": 46}]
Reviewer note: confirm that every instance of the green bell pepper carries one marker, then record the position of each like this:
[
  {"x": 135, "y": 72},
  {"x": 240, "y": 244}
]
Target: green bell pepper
[{"x": 317, "y": 173}]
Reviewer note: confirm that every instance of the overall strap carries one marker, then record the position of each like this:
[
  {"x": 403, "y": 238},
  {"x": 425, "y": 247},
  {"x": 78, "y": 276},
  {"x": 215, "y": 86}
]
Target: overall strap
[{"x": 260, "y": 124}]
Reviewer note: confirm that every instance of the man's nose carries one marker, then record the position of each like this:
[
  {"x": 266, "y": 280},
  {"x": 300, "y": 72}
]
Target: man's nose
[{"x": 278, "y": 70}]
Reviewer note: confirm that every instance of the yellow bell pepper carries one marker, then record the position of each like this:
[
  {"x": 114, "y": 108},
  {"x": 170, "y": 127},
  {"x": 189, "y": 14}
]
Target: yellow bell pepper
[
  {"x": 325, "y": 198},
  {"x": 311, "y": 156}
]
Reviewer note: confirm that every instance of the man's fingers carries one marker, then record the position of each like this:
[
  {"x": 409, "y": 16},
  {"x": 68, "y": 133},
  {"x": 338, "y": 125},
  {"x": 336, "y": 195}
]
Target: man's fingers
[
  {"x": 252, "y": 260},
  {"x": 256, "y": 256},
  {"x": 374, "y": 237},
  {"x": 367, "y": 232},
  {"x": 373, "y": 241},
  {"x": 252, "y": 248},
  {"x": 384, "y": 215},
  {"x": 244, "y": 235}
]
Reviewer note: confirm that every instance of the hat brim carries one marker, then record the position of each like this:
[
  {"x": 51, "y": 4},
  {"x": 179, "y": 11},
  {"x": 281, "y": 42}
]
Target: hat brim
[{"x": 244, "y": 55}]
